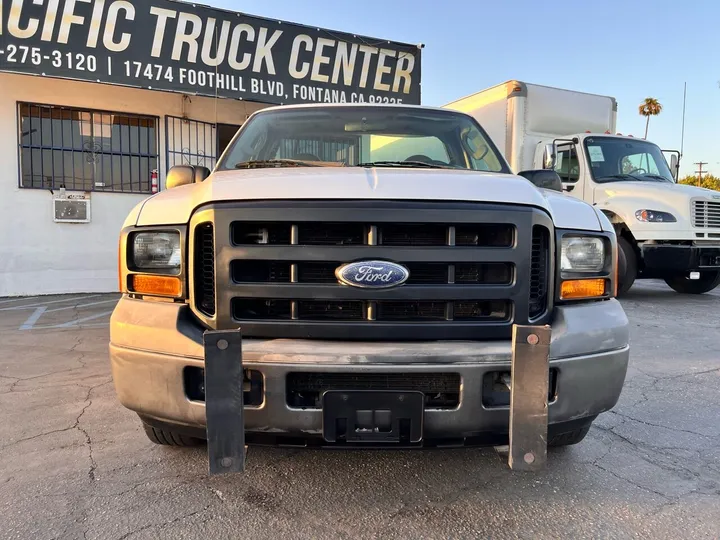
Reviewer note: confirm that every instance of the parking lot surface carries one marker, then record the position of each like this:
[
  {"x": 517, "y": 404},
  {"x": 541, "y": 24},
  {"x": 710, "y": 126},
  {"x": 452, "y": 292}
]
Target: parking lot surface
[{"x": 75, "y": 464}]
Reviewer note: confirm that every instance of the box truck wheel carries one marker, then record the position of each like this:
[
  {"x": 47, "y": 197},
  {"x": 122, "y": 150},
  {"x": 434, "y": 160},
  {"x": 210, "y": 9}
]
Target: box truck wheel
[
  {"x": 627, "y": 265},
  {"x": 684, "y": 285}
]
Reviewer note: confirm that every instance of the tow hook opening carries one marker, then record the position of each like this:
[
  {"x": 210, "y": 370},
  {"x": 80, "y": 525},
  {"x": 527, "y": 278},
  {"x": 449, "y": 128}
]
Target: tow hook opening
[
  {"x": 253, "y": 386},
  {"x": 496, "y": 388}
]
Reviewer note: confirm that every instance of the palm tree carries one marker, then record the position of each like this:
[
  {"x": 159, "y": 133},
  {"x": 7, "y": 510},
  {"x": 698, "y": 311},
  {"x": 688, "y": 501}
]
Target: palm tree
[{"x": 649, "y": 107}]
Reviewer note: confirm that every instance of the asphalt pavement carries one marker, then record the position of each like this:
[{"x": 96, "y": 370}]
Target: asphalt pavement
[{"x": 75, "y": 464}]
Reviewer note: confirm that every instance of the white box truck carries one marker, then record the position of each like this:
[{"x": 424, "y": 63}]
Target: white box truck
[{"x": 665, "y": 230}]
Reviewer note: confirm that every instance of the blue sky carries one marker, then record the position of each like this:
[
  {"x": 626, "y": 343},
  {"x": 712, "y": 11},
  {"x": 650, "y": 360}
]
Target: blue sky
[{"x": 628, "y": 49}]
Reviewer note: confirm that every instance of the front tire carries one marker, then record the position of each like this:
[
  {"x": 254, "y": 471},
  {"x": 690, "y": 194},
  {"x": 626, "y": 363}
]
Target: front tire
[
  {"x": 684, "y": 285},
  {"x": 569, "y": 438},
  {"x": 167, "y": 437},
  {"x": 627, "y": 265}
]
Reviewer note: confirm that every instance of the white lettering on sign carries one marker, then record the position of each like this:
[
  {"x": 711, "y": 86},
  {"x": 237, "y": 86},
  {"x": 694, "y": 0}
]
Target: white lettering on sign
[
  {"x": 382, "y": 69},
  {"x": 263, "y": 53},
  {"x": 321, "y": 60},
  {"x": 13, "y": 24},
  {"x": 346, "y": 61},
  {"x": 368, "y": 53},
  {"x": 210, "y": 40},
  {"x": 95, "y": 23},
  {"x": 239, "y": 30},
  {"x": 69, "y": 18},
  {"x": 307, "y": 43},
  {"x": 50, "y": 17},
  {"x": 403, "y": 72},
  {"x": 183, "y": 36},
  {"x": 162, "y": 18},
  {"x": 109, "y": 35},
  {"x": 69, "y": 38}
]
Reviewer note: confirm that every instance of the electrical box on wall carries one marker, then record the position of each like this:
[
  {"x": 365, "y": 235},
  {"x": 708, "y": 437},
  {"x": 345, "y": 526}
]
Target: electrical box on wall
[{"x": 71, "y": 208}]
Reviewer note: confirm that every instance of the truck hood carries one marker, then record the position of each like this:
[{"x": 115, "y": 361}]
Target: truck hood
[
  {"x": 653, "y": 191},
  {"x": 176, "y": 206},
  {"x": 628, "y": 197}
]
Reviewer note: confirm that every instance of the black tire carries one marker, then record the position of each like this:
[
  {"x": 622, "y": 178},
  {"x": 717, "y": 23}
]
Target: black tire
[
  {"x": 166, "y": 437},
  {"x": 627, "y": 265},
  {"x": 569, "y": 438},
  {"x": 684, "y": 285}
]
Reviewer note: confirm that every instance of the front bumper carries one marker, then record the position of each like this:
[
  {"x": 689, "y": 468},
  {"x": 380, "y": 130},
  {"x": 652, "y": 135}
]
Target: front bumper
[
  {"x": 667, "y": 260},
  {"x": 153, "y": 343}
]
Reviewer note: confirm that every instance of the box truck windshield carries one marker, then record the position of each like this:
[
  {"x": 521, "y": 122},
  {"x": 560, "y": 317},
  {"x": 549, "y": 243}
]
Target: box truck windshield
[{"x": 614, "y": 160}]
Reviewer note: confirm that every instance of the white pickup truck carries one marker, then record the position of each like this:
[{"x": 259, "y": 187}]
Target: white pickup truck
[
  {"x": 665, "y": 230},
  {"x": 395, "y": 285}
]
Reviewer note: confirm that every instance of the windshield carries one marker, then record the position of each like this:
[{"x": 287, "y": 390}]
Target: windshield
[
  {"x": 613, "y": 160},
  {"x": 362, "y": 137}
]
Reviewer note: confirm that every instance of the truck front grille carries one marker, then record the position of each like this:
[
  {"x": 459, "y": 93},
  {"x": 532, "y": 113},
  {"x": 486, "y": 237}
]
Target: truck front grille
[
  {"x": 706, "y": 214},
  {"x": 539, "y": 272},
  {"x": 204, "y": 276},
  {"x": 475, "y": 269}
]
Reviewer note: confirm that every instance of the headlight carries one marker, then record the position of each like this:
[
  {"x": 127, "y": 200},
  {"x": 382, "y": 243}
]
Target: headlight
[
  {"x": 582, "y": 254},
  {"x": 654, "y": 216},
  {"x": 156, "y": 251}
]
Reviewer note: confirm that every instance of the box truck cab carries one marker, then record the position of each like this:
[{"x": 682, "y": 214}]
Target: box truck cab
[{"x": 665, "y": 230}]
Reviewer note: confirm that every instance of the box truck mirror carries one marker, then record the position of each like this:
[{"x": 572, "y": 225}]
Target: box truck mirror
[
  {"x": 544, "y": 179},
  {"x": 674, "y": 167},
  {"x": 549, "y": 156}
]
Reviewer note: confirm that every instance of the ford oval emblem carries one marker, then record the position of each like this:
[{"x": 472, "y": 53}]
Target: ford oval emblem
[{"x": 372, "y": 274}]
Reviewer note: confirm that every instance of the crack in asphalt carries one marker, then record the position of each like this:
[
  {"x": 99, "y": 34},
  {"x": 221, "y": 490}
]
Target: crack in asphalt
[
  {"x": 709, "y": 486},
  {"x": 627, "y": 480},
  {"x": 75, "y": 425},
  {"x": 161, "y": 526},
  {"x": 678, "y": 430}
]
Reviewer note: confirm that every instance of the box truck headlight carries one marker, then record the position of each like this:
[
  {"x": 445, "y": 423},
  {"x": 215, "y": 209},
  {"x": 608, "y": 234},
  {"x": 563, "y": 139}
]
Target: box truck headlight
[
  {"x": 654, "y": 216},
  {"x": 156, "y": 251}
]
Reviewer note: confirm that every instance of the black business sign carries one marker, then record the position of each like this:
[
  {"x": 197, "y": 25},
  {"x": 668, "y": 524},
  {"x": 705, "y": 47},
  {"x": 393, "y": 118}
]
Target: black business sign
[{"x": 193, "y": 49}]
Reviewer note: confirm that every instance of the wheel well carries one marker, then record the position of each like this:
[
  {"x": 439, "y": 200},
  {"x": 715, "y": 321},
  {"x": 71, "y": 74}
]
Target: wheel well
[{"x": 622, "y": 230}]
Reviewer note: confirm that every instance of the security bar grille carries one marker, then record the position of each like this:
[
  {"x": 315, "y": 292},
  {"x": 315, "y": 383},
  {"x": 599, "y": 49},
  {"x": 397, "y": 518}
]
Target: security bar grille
[{"x": 86, "y": 150}]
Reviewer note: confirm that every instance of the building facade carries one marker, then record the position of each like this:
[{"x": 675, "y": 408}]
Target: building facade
[{"x": 84, "y": 137}]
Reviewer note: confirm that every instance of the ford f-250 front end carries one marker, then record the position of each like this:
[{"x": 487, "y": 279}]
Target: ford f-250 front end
[{"x": 377, "y": 261}]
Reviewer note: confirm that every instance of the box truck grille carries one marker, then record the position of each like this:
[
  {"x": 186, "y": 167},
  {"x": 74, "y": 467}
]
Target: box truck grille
[
  {"x": 706, "y": 214},
  {"x": 475, "y": 269}
]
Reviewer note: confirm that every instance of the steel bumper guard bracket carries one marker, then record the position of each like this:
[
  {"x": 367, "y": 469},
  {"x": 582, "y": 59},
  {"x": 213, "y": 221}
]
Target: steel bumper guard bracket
[
  {"x": 529, "y": 397},
  {"x": 224, "y": 400}
]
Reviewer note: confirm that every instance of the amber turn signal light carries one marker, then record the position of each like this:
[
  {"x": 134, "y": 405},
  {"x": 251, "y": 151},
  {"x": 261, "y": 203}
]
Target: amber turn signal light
[
  {"x": 159, "y": 285},
  {"x": 582, "y": 288}
]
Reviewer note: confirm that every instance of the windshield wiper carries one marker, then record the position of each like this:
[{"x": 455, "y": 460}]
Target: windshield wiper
[
  {"x": 658, "y": 176},
  {"x": 618, "y": 177},
  {"x": 260, "y": 164},
  {"x": 414, "y": 164}
]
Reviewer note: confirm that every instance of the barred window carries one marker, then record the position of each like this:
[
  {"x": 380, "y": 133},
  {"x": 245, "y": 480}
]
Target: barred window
[{"x": 86, "y": 150}]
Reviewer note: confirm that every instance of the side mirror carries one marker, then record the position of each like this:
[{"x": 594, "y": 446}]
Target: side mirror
[
  {"x": 674, "y": 167},
  {"x": 182, "y": 175},
  {"x": 544, "y": 179},
  {"x": 550, "y": 156},
  {"x": 201, "y": 174}
]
